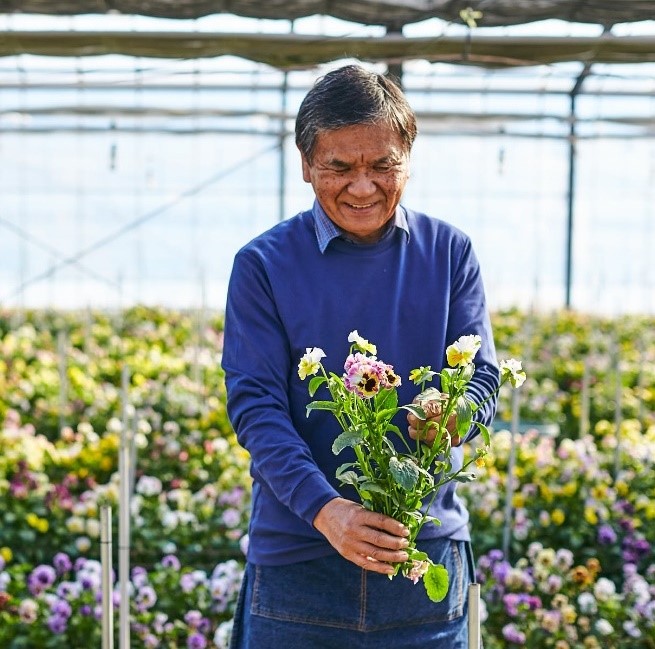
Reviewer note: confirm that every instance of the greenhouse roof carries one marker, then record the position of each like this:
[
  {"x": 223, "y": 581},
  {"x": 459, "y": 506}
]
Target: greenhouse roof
[{"x": 370, "y": 12}]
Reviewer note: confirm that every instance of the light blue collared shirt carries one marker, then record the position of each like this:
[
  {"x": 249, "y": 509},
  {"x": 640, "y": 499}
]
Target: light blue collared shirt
[{"x": 326, "y": 229}]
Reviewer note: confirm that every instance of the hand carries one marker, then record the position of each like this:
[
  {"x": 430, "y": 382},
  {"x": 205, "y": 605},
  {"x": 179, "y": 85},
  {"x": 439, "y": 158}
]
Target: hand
[
  {"x": 419, "y": 429},
  {"x": 369, "y": 540}
]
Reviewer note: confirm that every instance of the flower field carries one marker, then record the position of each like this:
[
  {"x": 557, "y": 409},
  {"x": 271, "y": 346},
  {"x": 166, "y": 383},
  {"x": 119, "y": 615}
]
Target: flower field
[{"x": 580, "y": 570}]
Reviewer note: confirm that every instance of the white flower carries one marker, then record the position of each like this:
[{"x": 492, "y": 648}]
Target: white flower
[
  {"x": 363, "y": 344},
  {"x": 148, "y": 486},
  {"x": 604, "y": 589},
  {"x": 93, "y": 527},
  {"x": 310, "y": 362},
  {"x": 587, "y": 603},
  {"x": 511, "y": 370},
  {"x": 75, "y": 525},
  {"x": 223, "y": 635},
  {"x": 83, "y": 543},
  {"x": 604, "y": 627},
  {"x": 27, "y": 611}
]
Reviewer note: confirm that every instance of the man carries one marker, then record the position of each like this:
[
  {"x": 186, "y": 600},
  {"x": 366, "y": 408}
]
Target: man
[{"x": 318, "y": 561}]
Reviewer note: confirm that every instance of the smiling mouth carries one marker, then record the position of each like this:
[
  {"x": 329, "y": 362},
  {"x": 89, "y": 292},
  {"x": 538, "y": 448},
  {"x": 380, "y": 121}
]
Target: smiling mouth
[{"x": 360, "y": 207}]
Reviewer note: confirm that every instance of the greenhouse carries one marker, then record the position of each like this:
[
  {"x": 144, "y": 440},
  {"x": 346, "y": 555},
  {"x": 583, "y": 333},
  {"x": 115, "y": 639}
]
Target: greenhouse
[{"x": 144, "y": 145}]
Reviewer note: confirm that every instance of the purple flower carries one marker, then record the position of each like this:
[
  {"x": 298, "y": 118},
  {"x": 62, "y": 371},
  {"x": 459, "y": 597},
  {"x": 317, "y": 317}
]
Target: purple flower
[
  {"x": 501, "y": 570},
  {"x": 606, "y": 535},
  {"x": 61, "y": 608},
  {"x": 40, "y": 578},
  {"x": 57, "y": 624},
  {"x": 193, "y": 618},
  {"x": 187, "y": 582},
  {"x": 512, "y": 634},
  {"x": 62, "y": 563},
  {"x": 171, "y": 561},
  {"x": 196, "y": 641}
]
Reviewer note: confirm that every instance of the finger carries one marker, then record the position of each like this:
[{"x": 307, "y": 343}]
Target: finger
[
  {"x": 382, "y": 526},
  {"x": 369, "y": 563},
  {"x": 412, "y": 420},
  {"x": 378, "y": 555}
]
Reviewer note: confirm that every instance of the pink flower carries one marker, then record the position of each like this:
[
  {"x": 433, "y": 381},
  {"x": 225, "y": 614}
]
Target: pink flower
[{"x": 364, "y": 375}]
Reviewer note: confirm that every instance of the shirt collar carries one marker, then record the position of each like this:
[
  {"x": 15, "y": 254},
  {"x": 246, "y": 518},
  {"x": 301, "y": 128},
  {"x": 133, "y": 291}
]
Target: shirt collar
[{"x": 326, "y": 229}]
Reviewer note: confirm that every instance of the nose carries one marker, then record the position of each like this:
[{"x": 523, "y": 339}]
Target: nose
[{"x": 361, "y": 185}]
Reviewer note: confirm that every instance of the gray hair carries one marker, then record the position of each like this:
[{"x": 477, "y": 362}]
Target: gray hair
[{"x": 348, "y": 96}]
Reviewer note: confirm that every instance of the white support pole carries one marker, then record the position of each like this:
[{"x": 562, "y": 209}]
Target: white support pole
[
  {"x": 107, "y": 580},
  {"x": 63, "y": 378},
  {"x": 584, "y": 400},
  {"x": 641, "y": 378},
  {"x": 474, "y": 616},
  {"x": 124, "y": 520},
  {"x": 196, "y": 373},
  {"x": 618, "y": 412},
  {"x": 509, "y": 487}
]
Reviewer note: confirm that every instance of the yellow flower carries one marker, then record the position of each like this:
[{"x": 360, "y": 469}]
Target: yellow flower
[
  {"x": 569, "y": 489},
  {"x": 479, "y": 462},
  {"x": 622, "y": 488},
  {"x": 590, "y": 515},
  {"x": 39, "y": 524},
  {"x": 557, "y": 516},
  {"x": 518, "y": 500},
  {"x": 569, "y": 614},
  {"x": 463, "y": 351},
  {"x": 6, "y": 554},
  {"x": 310, "y": 362},
  {"x": 546, "y": 492}
]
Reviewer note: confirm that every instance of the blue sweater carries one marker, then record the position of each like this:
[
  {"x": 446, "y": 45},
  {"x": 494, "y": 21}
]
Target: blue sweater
[{"x": 412, "y": 296}]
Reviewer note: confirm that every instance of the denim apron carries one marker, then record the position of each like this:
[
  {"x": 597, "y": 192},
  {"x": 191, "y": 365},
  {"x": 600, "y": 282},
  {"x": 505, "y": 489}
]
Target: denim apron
[{"x": 329, "y": 603}]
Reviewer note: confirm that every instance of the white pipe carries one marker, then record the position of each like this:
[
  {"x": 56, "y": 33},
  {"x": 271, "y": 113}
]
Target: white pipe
[
  {"x": 474, "y": 616},
  {"x": 63, "y": 378},
  {"x": 124, "y": 519},
  {"x": 107, "y": 580},
  {"x": 509, "y": 487},
  {"x": 618, "y": 412}
]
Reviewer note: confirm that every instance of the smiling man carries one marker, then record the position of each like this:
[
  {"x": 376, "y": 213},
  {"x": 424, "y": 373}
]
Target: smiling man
[{"x": 317, "y": 564}]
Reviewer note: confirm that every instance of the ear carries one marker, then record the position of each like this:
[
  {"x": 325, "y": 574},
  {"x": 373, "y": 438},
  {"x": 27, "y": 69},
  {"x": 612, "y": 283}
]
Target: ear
[{"x": 306, "y": 176}]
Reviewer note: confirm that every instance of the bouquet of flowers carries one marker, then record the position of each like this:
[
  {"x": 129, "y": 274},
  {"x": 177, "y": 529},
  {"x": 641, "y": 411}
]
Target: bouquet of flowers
[{"x": 399, "y": 483}]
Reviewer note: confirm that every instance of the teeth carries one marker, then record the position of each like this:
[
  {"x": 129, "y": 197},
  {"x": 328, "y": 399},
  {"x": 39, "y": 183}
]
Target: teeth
[{"x": 361, "y": 207}]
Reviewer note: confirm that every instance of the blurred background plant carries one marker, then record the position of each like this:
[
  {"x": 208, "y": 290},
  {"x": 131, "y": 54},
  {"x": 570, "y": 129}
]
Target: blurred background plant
[{"x": 582, "y": 486}]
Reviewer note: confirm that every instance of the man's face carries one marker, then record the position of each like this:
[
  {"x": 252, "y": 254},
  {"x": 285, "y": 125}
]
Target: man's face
[{"x": 358, "y": 174}]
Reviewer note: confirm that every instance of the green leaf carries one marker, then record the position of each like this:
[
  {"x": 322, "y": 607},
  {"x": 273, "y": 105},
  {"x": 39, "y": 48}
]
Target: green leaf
[
  {"x": 464, "y": 415},
  {"x": 404, "y": 472},
  {"x": 315, "y": 384},
  {"x": 485, "y": 432},
  {"x": 322, "y": 405},
  {"x": 416, "y": 555},
  {"x": 348, "y": 438},
  {"x": 372, "y": 487},
  {"x": 445, "y": 380},
  {"x": 416, "y": 411},
  {"x": 465, "y": 476},
  {"x": 348, "y": 477},
  {"x": 387, "y": 413},
  {"x": 435, "y": 581},
  {"x": 386, "y": 399}
]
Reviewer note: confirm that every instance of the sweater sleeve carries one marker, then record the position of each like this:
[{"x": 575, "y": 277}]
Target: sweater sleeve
[
  {"x": 257, "y": 365},
  {"x": 469, "y": 315}
]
